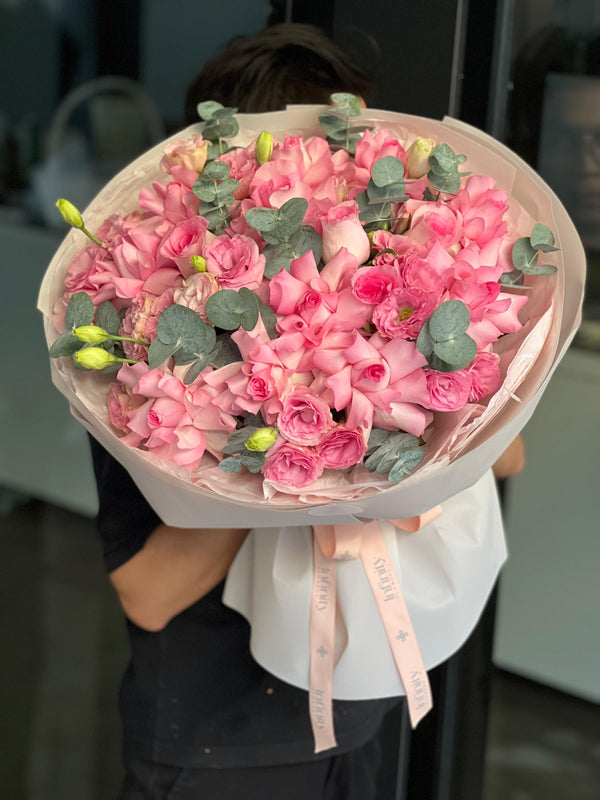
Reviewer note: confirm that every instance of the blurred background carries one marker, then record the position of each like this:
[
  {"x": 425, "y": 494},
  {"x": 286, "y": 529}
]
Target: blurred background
[{"x": 85, "y": 86}]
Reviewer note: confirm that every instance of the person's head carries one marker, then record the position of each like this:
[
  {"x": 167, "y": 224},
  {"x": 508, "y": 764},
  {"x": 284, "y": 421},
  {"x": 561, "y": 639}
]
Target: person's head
[{"x": 284, "y": 64}]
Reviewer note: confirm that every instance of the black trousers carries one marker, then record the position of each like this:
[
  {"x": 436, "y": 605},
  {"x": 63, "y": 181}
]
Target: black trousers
[{"x": 350, "y": 776}]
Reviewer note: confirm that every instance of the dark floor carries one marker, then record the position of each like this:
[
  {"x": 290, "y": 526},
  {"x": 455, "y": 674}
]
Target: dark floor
[{"x": 65, "y": 650}]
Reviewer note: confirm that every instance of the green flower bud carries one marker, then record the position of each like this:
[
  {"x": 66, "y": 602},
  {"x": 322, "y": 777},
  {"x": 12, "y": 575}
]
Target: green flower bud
[
  {"x": 417, "y": 157},
  {"x": 262, "y": 439},
  {"x": 264, "y": 147},
  {"x": 95, "y": 358},
  {"x": 70, "y": 214},
  {"x": 198, "y": 263},
  {"x": 91, "y": 334}
]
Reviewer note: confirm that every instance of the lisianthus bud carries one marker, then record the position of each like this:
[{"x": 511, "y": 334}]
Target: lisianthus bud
[
  {"x": 417, "y": 157},
  {"x": 91, "y": 334},
  {"x": 72, "y": 216},
  {"x": 198, "y": 263},
  {"x": 95, "y": 358},
  {"x": 262, "y": 439},
  {"x": 70, "y": 213},
  {"x": 264, "y": 147}
]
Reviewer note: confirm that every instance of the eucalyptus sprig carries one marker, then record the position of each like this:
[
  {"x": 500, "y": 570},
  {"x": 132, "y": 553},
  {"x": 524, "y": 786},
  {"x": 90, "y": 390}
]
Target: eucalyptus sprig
[
  {"x": 220, "y": 125},
  {"x": 443, "y": 339},
  {"x": 336, "y": 123},
  {"x": 443, "y": 175},
  {"x": 525, "y": 255},
  {"x": 396, "y": 454},
  {"x": 386, "y": 186},
  {"x": 215, "y": 189},
  {"x": 287, "y": 238}
]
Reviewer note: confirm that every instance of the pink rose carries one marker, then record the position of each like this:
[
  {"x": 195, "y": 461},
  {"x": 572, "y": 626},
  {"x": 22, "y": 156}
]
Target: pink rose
[
  {"x": 184, "y": 159},
  {"x": 342, "y": 448},
  {"x": 141, "y": 319},
  {"x": 292, "y": 465},
  {"x": 448, "y": 391},
  {"x": 183, "y": 241},
  {"x": 343, "y": 228},
  {"x": 374, "y": 146},
  {"x": 482, "y": 207},
  {"x": 373, "y": 284},
  {"x": 304, "y": 418},
  {"x": 403, "y": 313},
  {"x": 242, "y": 166},
  {"x": 195, "y": 292},
  {"x": 121, "y": 402},
  {"x": 434, "y": 222},
  {"x": 173, "y": 202},
  {"x": 417, "y": 273},
  {"x": 235, "y": 261},
  {"x": 485, "y": 375}
]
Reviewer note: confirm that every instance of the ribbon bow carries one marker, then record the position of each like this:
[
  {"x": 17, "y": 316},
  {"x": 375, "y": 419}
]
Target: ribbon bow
[{"x": 333, "y": 543}]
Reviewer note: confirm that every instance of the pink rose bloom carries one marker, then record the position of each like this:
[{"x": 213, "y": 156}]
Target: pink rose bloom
[
  {"x": 242, "y": 166},
  {"x": 374, "y": 146},
  {"x": 121, "y": 402},
  {"x": 304, "y": 418},
  {"x": 403, "y": 313},
  {"x": 116, "y": 227},
  {"x": 343, "y": 228},
  {"x": 184, "y": 159},
  {"x": 195, "y": 292},
  {"x": 482, "y": 208},
  {"x": 417, "y": 273},
  {"x": 173, "y": 202},
  {"x": 373, "y": 284},
  {"x": 235, "y": 261},
  {"x": 434, "y": 222},
  {"x": 183, "y": 241},
  {"x": 292, "y": 465},
  {"x": 448, "y": 391},
  {"x": 141, "y": 319},
  {"x": 92, "y": 271},
  {"x": 485, "y": 375},
  {"x": 342, "y": 448}
]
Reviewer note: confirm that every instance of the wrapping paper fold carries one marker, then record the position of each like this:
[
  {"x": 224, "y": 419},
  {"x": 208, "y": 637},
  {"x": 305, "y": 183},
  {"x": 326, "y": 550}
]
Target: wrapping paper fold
[{"x": 448, "y": 568}]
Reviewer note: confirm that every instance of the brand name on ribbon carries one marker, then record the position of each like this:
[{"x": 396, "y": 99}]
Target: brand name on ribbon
[
  {"x": 419, "y": 690},
  {"x": 385, "y": 579},
  {"x": 323, "y": 593},
  {"x": 319, "y": 708}
]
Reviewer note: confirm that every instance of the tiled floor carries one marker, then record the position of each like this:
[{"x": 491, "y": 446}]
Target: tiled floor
[{"x": 64, "y": 650}]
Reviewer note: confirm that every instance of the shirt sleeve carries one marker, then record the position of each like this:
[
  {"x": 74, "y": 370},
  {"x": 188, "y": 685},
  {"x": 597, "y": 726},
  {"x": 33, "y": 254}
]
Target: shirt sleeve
[{"x": 125, "y": 519}]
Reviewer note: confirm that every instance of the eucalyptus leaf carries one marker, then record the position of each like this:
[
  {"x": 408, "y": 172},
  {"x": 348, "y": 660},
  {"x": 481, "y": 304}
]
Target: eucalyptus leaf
[
  {"x": 159, "y": 352},
  {"x": 425, "y": 341},
  {"x": 407, "y": 462},
  {"x": 231, "y": 310},
  {"x": 386, "y": 170},
  {"x": 108, "y": 318},
  {"x": 80, "y": 311},
  {"x": 182, "y": 326},
  {"x": 253, "y": 461},
  {"x": 226, "y": 188},
  {"x": 512, "y": 278},
  {"x": 208, "y": 108},
  {"x": 269, "y": 319},
  {"x": 541, "y": 269},
  {"x": 448, "y": 184},
  {"x": 376, "y": 438},
  {"x": 278, "y": 257},
  {"x": 392, "y": 193},
  {"x": 237, "y": 439},
  {"x": 232, "y": 464},
  {"x": 65, "y": 345},
  {"x": 196, "y": 368},
  {"x": 307, "y": 238},
  {"x": 524, "y": 255},
  {"x": 262, "y": 219},
  {"x": 216, "y": 170},
  {"x": 458, "y": 352},
  {"x": 206, "y": 191},
  {"x": 542, "y": 239},
  {"x": 449, "y": 319},
  {"x": 224, "y": 113},
  {"x": 348, "y": 100},
  {"x": 226, "y": 352},
  {"x": 332, "y": 124}
]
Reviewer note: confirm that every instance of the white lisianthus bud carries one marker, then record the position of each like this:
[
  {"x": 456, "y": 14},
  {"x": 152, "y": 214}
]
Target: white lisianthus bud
[{"x": 417, "y": 160}]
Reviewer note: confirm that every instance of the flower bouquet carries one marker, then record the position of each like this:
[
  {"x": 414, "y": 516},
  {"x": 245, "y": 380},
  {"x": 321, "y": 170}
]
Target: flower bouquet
[{"x": 298, "y": 323}]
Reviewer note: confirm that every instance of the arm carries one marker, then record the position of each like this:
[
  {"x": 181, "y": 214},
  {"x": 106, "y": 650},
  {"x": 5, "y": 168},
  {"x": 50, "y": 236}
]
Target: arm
[
  {"x": 173, "y": 570},
  {"x": 512, "y": 460}
]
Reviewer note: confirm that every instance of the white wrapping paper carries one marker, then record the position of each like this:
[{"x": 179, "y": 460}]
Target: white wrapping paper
[{"x": 447, "y": 569}]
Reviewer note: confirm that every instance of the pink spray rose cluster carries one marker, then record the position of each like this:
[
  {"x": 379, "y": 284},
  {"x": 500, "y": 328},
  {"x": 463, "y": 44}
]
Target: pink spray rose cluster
[{"x": 341, "y": 355}]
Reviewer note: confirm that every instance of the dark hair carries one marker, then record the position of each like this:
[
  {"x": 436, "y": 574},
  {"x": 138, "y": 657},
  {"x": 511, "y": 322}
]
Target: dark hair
[{"x": 284, "y": 64}]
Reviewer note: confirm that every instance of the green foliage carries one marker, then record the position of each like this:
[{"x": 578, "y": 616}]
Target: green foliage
[
  {"x": 65, "y": 345},
  {"x": 230, "y": 309},
  {"x": 443, "y": 339},
  {"x": 215, "y": 189},
  {"x": 80, "y": 311},
  {"x": 396, "y": 454},
  {"x": 336, "y": 123},
  {"x": 108, "y": 318},
  {"x": 385, "y": 187},
  {"x": 181, "y": 334},
  {"x": 443, "y": 172},
  {"x": 525, "y": 255},
  {"x": 220, "y": 123},
  {"x": 287, "y": 237}
]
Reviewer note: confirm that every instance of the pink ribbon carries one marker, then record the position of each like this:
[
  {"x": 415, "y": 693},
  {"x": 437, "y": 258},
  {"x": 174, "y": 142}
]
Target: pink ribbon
[{"x": 334, "y": 543}]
